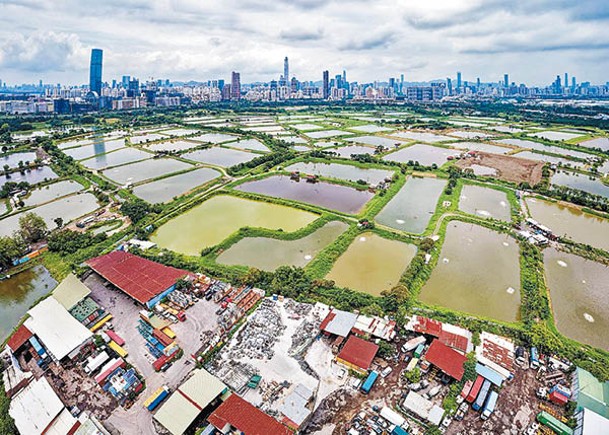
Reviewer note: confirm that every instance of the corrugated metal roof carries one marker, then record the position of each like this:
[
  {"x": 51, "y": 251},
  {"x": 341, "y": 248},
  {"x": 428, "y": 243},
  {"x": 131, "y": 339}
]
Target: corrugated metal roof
[
  {"x": 21, "y": 335},
  {"x": 70, "y": 291},
  {"x": 339, "y": 323},
  {"x": 446, "y": 359},
  {"x": 35, "y": 407},
  {"x": 176, "y": 414},
  {"x": 202, "y": 388},
  {"x": 140, "y": 278},
  {"x": 246, "y": 418},
  {"x": 358, "y": 352},
  {"x": 490, "y": 374}
]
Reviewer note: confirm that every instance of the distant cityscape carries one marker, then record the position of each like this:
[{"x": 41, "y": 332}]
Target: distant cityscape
[{"x": 130, "y": 93}]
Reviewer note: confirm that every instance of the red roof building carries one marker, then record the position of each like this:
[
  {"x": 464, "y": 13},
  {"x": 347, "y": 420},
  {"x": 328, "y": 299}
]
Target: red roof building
[
  {"x": 140, "y": 278},
  {"x": 451, "y": 335},
  {"x": 357, "y": 354},
  {"x": 446, "y": 359},
  {"x": 246, "y": 418},
  {"x": 18, "y": 339}
]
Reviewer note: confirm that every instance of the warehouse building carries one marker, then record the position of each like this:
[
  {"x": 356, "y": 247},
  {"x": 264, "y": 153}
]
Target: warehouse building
[
  {"x": 357, "y": 354},
  {"x": 145, "y": 281},
  {"x": 198, "y": 395},
  {"x": 446, "y": 359}
]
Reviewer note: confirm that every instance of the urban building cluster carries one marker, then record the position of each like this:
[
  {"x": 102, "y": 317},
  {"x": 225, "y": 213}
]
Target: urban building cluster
[{"x": 130, "y": 93}]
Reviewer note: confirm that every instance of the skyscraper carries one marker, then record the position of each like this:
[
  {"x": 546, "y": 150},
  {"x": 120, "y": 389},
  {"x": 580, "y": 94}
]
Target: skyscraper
[
  {"x": 326, "y": 84},
  {"x": 506, "y": 81},
  {"x": 286, "y": 70},
  {"x": 235, "y": 86},
  {"x": 95, "y": 71},
  {"x": 566, "y": 80},
  {"x": 459, "y": 80}
]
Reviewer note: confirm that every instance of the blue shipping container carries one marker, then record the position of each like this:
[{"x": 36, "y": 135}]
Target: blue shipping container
[
  {"x": 489, "y": 406},
  {"x": 482, "y": 395},
  {"x": 158, "y": 400},
  {"x": 369, "y": 382}
]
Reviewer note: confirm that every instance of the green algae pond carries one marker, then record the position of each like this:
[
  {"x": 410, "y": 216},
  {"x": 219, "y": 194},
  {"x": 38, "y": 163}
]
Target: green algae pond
[
  {"x": 331, "y": 196},
  {"x": 300, "y": 252},
  {"x": 217, "y": 218},
  {"x": 578, "y": 291},
  {"x": 413, "y": 206},
  {"x": 478, "y": 272},
  {"x": 372, "y": 264},
  {"x": 485, "y": 202},
  {"x": 19, "y": 292},
  {"x": 571, "y": 222}
]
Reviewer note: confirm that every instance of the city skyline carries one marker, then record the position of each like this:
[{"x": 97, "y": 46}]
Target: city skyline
[{"x": 188, "y": 41}]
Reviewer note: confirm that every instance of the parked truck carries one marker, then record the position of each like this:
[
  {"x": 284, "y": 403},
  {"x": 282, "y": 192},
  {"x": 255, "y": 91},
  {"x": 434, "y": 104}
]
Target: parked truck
[
  {"x": 534, "y": 358},
  {"x": 369, "y": 382},
  {"x": 413, "y": 344},
  {"x": 486, "y": 386},
  {"x": 553, "y": 423},
  {"x": 489, "y": 405},
  {"x": 473, "y": 393}
]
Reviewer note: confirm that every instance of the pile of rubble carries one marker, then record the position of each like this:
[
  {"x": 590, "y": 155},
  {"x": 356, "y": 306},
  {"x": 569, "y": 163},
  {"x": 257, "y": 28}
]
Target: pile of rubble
[
  {"x": 233, "y": 373},
  {"x": 257, "y": 338}
]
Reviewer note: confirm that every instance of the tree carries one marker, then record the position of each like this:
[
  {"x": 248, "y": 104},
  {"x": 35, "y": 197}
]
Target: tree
[
  {"x": 32, "y": 227},
  {"x": 10, "y": 248},
  {"x": 136, "y": 209},
  {"x": 58, "y": 221},
  {"x": 373, "y": 310},
  {"x": 386, "y": 350},
  {"x": 413, "y": 376}
]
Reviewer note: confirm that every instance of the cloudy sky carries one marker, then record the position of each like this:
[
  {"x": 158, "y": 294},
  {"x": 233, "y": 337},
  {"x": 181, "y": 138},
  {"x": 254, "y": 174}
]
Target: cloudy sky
[{"x": 532, "y": 40}]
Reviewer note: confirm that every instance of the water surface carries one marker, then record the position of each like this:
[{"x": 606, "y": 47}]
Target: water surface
[
  {"x": 166, "y": 189},
  {"x": 342, "y": 172},
  {"x": 485, "y": 202}
]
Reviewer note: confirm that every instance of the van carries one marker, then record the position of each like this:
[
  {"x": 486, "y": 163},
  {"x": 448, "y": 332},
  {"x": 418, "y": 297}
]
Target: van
[{"x": 386, "y": 372}]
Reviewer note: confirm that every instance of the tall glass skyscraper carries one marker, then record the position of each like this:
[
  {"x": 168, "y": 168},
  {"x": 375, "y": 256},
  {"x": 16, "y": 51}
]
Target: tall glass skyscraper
[{"x": 95, "y": 70}]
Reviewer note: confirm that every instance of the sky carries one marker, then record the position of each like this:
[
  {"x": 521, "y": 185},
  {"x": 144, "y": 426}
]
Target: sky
[{"x": 532, "y": 40}]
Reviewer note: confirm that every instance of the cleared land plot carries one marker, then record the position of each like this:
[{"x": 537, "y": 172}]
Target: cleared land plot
[
  {"x": 478, "y": 272},
  {"x": 120, "y": 157},
  {"x": 372, "y": 264},
  {"x": 297, "y": 252},
  {"x": 331, "y": 196},
  {"x": 485, "y": 202},
  {"x": 223, "y": 215},
  {"x": 507, "y": 168},
  {"x": 218, "y": 156},
  {"x": 166, "y": 189},
  {"x": 426, "y": 155},
  {"x": 145, "y": 170}
]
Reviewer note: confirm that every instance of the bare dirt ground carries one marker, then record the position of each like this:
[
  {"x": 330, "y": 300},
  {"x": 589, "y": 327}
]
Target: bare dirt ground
[
  {"x": 516, "y": 408},
  {"x": 508, "y": 168},
  {"x": 75, "y": 387}
]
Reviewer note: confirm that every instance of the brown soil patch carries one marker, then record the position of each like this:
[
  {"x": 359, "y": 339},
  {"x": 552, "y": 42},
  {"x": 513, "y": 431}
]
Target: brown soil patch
[{"x": 508, "y": 168}]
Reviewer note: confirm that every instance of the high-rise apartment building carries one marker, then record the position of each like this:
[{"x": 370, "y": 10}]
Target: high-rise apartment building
[
  {"x": 326, "y": 84},
  {"x": 459, "y": 83},
  {"x": 235, "y": 86},
  {"x": 95, "y": 71},
  {"x": 286, "y": 70},
  {"x": 506, "y": 81}
]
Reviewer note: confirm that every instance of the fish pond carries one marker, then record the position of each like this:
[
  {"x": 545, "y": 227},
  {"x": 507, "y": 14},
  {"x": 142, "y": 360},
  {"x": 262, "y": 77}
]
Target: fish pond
[
  {"x": 341, "y": 172},
  {"x": 372, "y": 264},
  {"x": 19, "y": 293},
  {"x": 166, "y": 189},
  {"x": 217, "y": 218},
  {"x": 32, "y": 176},
  {"x": 413, "y": 206},
  {"x": 331, "y": 196},
  {"x": 581, "y": 182},
  {"x": 218, "y": 156},
  {"x": 145, "y": 170},
  {"x": 120, "y": 157},
  {"x": 277, "y": 252},
  {"x": 485, "y": 202},
  {"x": 51, "y": 192},
  {"x": 578, "y": 290},
  {"x": 426, "y": 155},
  {"x": 571, "y": 222},
  {"x": 478, "y": 272}
]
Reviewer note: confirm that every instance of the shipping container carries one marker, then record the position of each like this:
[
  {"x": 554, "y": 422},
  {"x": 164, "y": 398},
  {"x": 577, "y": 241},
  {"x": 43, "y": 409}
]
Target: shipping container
[
  {"x": 534, "y": 358},
  {"x": 413, "y": 344},
  {"x": 562, "y": 390},
  {"x": 486, "y": 386},
  {"x": 489, "y": 405},
  {"x": 412, "y": 364},
  {"x": 419, "y": 350},
  {"x": 466, "y": 388},
  {"x": 93, "y": 363},
  {"x": 118, "y": 349},
  {"x": 473, "y": 393},
  {"x": 558, "y": 398},
  {"x": 553, "y": 423},
  {"x": 155, "y": 400},
  {"x": 114, "y": 336},
  {"x": 369, "y": 382}
]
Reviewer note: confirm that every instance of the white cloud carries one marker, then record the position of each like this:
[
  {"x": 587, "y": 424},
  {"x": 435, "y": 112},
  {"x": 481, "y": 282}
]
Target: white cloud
[{"x": 191, "y": 39}]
